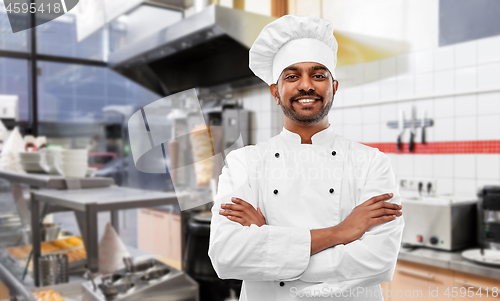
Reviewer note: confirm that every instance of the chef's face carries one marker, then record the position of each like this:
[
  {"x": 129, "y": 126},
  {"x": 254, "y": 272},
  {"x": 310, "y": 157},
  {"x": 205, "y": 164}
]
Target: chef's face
[{"x": 301, "y": 82}]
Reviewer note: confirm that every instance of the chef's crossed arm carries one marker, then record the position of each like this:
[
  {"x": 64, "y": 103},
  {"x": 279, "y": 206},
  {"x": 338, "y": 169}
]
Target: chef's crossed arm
[
  {"x": 371, "y": 259},
  {"x": 265, "y": 253}
]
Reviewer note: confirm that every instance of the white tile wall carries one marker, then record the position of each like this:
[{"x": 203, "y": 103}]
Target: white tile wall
[
  {"x": 487, "y": 50},
  {"x": 466, "y": 79},
  {"x": 488, "y": 103},
  {"x": 466, "y": 54},
  {"x": 465, "y": 128},
  {"x": 465, "y": 105},
  {"x": 488, "y": 167},
  {"x": 488, "y": 127},
  {"x": 423, "y": 166},
  {"x": 488, "y": 76},
  {"x": 444, "y": 58},
  {"x": 465, "y": 166},
  {"x": 443, "y": 166}
]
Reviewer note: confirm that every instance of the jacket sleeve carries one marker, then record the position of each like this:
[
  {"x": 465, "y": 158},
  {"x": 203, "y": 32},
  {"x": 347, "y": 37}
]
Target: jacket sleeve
[
  {"x": 371, "y": 259},
  {"x": 255, "y": 253}
]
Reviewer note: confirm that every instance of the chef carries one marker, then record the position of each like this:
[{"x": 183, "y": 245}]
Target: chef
[{"x": 307, "y": 213}]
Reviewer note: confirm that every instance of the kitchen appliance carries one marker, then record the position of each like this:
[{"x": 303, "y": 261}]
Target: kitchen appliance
[
  {"x": 229, "y": 128},
  {"x": 205, "y": 49},
  {"x": 446, "y": 223},
  {"x": 146, "y": 281},
  {"x": 488, "y": 212}
]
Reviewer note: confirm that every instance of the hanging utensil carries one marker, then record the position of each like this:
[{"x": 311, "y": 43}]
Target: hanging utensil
[
  {"x": 423, "y": 127},
  {"x": 401, "y": 129},
  {"x": 412, "y": 129}
]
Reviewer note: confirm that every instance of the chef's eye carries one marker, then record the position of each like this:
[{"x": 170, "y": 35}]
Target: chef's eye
[
  {"x": 290, "y": 77},
  {"x": 319, "y": 76}
]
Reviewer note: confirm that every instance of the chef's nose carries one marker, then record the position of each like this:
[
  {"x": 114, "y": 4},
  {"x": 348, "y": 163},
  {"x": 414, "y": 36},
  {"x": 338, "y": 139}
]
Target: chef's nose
[{"x": 306, "y": 84}]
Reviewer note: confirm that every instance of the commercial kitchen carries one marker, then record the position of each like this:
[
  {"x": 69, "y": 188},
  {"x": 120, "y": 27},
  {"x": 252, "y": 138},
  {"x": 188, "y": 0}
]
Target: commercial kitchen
[{"x": 105, "y": 109}]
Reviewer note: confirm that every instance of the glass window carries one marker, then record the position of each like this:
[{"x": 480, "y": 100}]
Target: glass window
[
  {"x": 74, "y": 93},
  {"x": 14, "y": 81},
  {"x": 11, "y": 41}
]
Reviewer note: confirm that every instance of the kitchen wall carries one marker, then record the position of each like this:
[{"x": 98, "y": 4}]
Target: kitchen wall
[{"x": 459, "y": 88}]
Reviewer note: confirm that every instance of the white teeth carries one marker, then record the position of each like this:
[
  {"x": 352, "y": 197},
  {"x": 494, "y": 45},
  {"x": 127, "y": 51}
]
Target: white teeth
[{"x": 307, "y": 100}]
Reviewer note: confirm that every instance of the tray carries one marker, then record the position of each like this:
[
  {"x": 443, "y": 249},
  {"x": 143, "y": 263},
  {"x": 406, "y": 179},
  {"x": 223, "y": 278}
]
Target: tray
[{"x": 491, "y": 257}]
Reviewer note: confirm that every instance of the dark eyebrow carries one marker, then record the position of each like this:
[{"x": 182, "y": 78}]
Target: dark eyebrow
[
  {"x": 319, "y": 68},
  {"x": 290, "y": 69}
]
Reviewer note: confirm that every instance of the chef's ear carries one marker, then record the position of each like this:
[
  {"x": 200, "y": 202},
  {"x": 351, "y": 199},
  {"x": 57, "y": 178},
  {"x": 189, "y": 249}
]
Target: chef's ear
[
  {"x": 274, "y": 92},
  {"x": 335, "y": 86}
]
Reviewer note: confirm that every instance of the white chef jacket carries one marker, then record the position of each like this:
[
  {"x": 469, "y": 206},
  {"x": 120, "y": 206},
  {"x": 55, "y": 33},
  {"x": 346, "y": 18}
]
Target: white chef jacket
[{"x": 300, "y": 187}]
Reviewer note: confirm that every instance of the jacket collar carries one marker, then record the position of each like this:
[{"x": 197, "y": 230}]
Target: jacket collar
[{"x": 323, "y": 137}]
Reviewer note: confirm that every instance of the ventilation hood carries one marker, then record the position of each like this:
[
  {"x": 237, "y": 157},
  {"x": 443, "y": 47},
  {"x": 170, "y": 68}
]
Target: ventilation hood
[{"x": 207, "y": 49}]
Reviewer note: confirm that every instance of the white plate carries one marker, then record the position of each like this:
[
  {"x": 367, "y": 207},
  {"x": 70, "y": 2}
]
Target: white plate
[{"x": 491, "y": 257}]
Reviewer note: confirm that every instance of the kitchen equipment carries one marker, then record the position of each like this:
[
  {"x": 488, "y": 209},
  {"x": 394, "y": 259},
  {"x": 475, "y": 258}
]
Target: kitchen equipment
[
  {"x": 488, "y": 213},
  {"x": 149, "y": 280},
  {"x": 446, "y": 223},
  {"x": 53, "y": 269},
  {"x": 50, "y": 231},
  {"x": 218, "y": 37},
  {"x": 198, "y": 265}
]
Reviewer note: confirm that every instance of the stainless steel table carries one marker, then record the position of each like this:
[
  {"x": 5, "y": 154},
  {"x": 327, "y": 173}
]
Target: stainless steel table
[
  {"x": 87, "y": 203},
  {"x": 52, "y": 181},
  {"x": 45, "y": 181}
]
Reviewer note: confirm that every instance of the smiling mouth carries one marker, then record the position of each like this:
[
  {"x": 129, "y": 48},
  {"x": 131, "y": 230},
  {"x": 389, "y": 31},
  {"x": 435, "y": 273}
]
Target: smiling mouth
[{"x": 306, "y": 100}]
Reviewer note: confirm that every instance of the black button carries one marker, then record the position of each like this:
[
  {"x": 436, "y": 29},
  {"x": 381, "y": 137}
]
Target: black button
[
  {"x": 331, "y": 190},
  {"x": 275, "y": 191},
  {"x": 277, "y": 155},
  {"x": 282, "y": 283},
  {"x": 334, "y": 153}
]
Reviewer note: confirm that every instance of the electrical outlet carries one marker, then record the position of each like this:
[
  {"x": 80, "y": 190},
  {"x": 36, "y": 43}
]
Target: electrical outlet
[{"x": 418, "y": 186}]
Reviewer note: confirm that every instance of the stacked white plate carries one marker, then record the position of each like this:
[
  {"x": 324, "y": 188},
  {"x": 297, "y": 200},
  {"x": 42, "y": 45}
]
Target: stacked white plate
[
  {"x": 72, "y": 163},
  {"x": 31, "y": 161}
]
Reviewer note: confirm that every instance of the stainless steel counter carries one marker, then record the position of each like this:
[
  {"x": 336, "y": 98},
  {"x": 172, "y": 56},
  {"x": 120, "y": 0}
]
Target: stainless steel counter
[
  {"x": 447, "y": 260},
  {"x": 86, "y": 203},
  {"x": 51, "y": 181}
]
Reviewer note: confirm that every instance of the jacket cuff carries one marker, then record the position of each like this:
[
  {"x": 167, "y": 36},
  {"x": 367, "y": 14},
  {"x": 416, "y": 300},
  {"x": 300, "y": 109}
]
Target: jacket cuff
[{"x": 289, "y": 252}]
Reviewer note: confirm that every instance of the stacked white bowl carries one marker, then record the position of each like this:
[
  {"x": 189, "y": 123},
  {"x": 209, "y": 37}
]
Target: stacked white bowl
[
  {"x": 30, "y": 161},
  {"x": 72, "y": 163},
  {"x": 48, "y": 157}
]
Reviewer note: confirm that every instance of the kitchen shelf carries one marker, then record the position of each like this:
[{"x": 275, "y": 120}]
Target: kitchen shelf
[{"x": 86, "y": 203}]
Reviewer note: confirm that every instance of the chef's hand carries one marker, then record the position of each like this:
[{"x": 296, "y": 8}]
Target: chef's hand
[
  {"x": 373, "y": 212},
  {"x": 243, "y": 213}
]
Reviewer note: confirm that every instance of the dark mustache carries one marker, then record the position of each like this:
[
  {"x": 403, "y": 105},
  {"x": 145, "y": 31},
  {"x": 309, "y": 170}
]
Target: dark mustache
[{"x": 314, "y": 95}]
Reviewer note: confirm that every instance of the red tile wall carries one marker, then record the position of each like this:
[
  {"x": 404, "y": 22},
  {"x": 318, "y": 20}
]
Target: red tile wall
[{"x": 452, "y": 147}]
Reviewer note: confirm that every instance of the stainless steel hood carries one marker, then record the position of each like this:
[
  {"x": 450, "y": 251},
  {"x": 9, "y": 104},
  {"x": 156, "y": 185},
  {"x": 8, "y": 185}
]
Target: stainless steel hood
[{"x": 206, "y": 49}]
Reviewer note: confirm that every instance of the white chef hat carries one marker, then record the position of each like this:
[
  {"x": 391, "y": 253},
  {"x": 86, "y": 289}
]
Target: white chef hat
[{"x": 289, "y": 40}]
